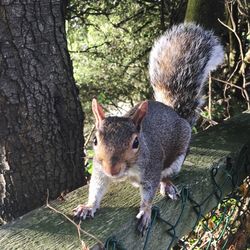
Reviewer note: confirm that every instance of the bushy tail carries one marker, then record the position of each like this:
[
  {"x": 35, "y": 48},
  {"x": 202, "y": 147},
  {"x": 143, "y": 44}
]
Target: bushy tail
[{"x": 179, "y": 64}]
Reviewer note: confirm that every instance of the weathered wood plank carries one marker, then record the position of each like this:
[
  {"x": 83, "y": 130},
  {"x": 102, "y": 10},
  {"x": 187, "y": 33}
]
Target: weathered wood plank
[{"x": 217, "y": 147}]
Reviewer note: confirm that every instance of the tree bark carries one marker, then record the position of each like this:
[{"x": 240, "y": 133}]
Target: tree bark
[
  {"x": 206, "y": 13},
  {"x": 41, "y": 120}
]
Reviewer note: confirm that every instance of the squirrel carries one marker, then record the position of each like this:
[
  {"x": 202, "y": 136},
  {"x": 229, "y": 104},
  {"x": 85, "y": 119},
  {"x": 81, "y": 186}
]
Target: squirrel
[{"x": 148, "y": 144}]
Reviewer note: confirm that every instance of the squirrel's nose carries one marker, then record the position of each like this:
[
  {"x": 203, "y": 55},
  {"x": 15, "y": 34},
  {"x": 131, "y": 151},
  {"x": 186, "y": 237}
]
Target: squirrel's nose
[
  {"x": 115, "y": 170},
  {"x": 112, "y": 169}
]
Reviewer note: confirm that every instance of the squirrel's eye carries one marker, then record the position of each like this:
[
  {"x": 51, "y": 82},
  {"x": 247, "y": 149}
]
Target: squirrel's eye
[
  {"x": 135, "y": 143},
  {"x": 95, "y": 141}
]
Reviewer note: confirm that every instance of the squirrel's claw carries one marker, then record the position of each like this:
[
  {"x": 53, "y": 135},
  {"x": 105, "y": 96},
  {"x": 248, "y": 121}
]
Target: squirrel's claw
[
  {"x": 172, "y": 192},
  {"x": 81, "y": 212},
  {"x": 167, "y": 188},
  {"x": 144, "y": 218}
]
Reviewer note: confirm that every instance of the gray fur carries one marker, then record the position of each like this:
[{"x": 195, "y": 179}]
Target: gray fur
[
  {"x": 179, "y": 64},
  {"x": 115, "y": 129}
]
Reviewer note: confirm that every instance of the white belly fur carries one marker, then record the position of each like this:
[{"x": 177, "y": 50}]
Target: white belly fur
[{"x": 133, "y": 175}]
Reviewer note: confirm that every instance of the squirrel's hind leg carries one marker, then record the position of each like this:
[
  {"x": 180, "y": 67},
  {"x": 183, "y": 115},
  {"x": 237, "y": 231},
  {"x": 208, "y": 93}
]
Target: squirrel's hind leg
[{"x": 167, "y": 188}]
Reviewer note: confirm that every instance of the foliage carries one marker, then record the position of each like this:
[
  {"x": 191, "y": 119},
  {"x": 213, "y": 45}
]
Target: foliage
[
  {"x": 89, "y": 161},
  {"x": 226, "y": 227},
  {"x": 109, "y": 42}
]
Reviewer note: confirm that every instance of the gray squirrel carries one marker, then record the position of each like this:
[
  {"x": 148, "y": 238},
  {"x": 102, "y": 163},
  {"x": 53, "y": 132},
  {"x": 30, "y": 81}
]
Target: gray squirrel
[{"x": 148, "y": 144}]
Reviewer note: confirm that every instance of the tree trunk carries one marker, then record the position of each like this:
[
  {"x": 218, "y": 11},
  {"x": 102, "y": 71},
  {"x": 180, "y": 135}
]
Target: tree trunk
[
  {"x": 41, "y": 120},
  {"x": 206, "y": 13}
]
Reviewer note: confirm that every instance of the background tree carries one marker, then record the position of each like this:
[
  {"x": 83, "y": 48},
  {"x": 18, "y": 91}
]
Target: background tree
[
  {"x": 41, "y": 140},
  {"x": 206, "y": 13}
]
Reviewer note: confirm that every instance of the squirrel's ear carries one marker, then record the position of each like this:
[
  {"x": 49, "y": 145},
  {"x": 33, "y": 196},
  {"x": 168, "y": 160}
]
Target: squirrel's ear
[
  {"x": 140, "y": 113},
  {"x": 98, "y": 112}
]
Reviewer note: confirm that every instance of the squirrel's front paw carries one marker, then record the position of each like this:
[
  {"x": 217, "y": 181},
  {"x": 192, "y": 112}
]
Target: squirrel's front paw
[
  {"x": 83, "y": 211},
  {"x": 167, "y": 188},
  {"x": 144, "y": 217}
]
